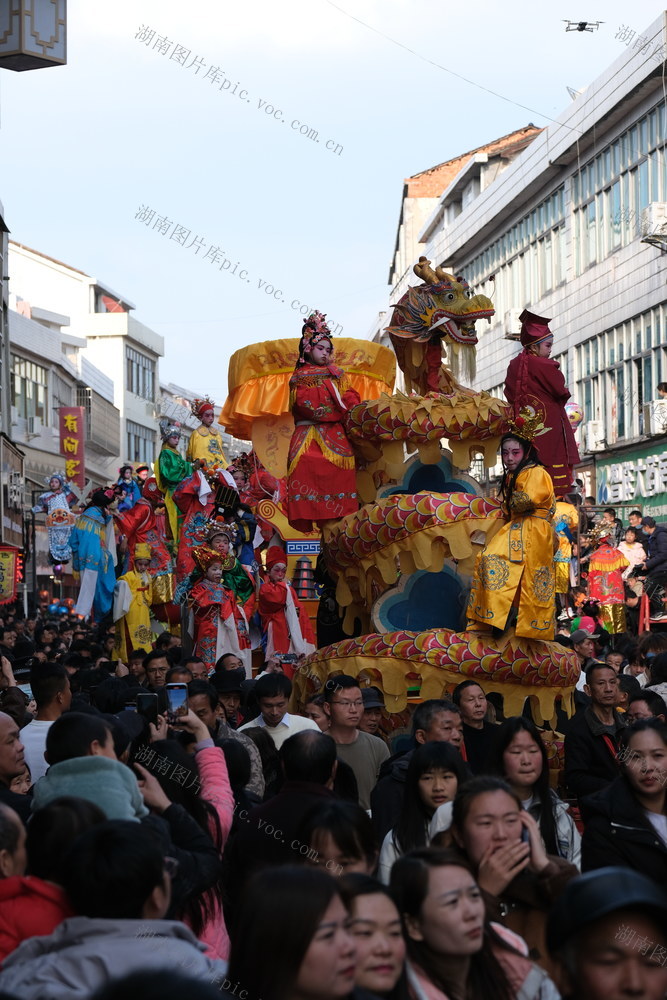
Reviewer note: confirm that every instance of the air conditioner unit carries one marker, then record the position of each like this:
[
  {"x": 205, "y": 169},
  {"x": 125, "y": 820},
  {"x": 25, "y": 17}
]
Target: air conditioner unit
[
  {"x": 655, "y": 417},
  {"x": 512, "y": 324},
  {"x": 33, "y": 425},
  {"x": 654, "y": 219},
  {"x": 593, "y": 436}
]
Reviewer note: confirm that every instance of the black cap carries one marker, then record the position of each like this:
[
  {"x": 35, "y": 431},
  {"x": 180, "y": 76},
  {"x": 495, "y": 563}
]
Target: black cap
[
  {"x": 598, "y": 893},
  {"x": 228, "y": 681},
  {"x": 372, "y": 697}
]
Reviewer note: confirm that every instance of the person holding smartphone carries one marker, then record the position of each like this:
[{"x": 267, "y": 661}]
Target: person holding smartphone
[{"x": 502, "y": 842}]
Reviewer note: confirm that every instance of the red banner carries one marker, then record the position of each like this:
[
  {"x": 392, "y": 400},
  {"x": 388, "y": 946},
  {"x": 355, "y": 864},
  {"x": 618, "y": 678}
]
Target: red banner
[{"x": 72, "y": 443}]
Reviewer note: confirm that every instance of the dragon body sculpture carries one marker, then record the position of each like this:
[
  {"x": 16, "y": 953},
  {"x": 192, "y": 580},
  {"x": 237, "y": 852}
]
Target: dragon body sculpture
[{"x": 443, "y": 308}]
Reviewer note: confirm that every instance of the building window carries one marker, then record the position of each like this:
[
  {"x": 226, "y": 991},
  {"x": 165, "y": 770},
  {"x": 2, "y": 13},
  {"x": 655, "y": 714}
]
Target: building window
[
  {"x": 28, "y": 389},
  {"x": 140, "y": 443},
  {"x": 140, "y": 374},
  {"x": 634, "y": 368}
]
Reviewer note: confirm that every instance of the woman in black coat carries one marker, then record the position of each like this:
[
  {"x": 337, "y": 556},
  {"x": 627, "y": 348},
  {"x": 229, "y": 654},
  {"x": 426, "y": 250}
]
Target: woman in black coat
[{"x": 626, "y": 823}]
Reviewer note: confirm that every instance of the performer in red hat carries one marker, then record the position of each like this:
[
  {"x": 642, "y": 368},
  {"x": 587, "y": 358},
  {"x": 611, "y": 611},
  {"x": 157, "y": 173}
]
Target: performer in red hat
[
  {"x": 535, "y": 379},
  {"x": 205, "y": 442},
  {"x": 284, "y": 621}
]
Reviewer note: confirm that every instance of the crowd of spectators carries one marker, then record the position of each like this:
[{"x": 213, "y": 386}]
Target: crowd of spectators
[{"x": 268, "y": 850}]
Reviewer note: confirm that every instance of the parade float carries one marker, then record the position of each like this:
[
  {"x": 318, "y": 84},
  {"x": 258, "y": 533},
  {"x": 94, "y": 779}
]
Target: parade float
[{"x": 404, "y": 555}]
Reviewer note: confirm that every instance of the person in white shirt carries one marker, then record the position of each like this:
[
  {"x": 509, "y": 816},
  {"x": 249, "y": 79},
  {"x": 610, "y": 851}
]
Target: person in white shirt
[
  {"x": 49, "y": 683},
  {"x": 272, "y": 693}
]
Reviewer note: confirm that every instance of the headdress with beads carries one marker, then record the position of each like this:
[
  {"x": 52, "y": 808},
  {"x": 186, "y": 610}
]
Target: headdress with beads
[
  {"x": 243, "y": 463},
  {"x": 314, "y": 330},
  {"x": 527, "y": 424},
  {"x": 60, "y": 476},
  {"x": 205, "y": 557},
  {"x": 199, "y": 407},
  {"x": 215, "y": 527},
  {"x": 169, "y": 427}
]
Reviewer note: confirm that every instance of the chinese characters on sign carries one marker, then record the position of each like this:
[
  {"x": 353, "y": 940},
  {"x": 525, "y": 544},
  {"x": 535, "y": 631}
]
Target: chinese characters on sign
[
  {"x": 72, "y": 443},
  {"x": 9, "y": 574},
  {"x": 642, "y": 478}
]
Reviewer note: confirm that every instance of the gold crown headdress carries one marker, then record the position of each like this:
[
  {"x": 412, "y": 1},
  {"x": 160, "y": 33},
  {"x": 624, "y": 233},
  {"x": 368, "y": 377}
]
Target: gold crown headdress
[
  {"x": 600, "y": 531},
  {"x": 527, "y": 424}
]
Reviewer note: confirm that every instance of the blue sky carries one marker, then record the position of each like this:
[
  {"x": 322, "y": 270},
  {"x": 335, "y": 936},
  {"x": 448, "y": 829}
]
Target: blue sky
[{"x": 124, "y": 127}]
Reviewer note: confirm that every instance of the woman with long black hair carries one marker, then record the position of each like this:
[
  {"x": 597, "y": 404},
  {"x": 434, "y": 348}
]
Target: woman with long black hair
[
  {"x": 292, "y": 940},
  {"x": 516, "y": 567},
  {"x": 454, "y": 952},
  {"x": 432, "y": 779},
  {"x": 519, "y": 756}
]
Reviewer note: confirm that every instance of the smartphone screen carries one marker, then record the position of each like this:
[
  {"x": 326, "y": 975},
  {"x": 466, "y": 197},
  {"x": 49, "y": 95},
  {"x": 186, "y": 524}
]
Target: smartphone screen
[
  {"x": 177, "y": 699},
  {"x": 147, "y": 706}
]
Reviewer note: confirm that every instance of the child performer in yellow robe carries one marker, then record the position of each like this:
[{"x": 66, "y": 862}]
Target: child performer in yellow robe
[
  {"x": 132, "y": 606},
  {"x": 516, "y": 567}
]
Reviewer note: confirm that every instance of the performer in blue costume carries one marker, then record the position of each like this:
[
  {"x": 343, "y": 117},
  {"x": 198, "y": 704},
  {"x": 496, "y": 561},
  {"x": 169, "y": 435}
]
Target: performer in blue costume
[
  {"x": 94, "y": 554},
  {"x": 57, "y": 504}
]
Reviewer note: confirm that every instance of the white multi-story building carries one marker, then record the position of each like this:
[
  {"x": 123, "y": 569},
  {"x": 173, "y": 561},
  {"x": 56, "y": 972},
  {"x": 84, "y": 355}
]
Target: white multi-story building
[
  {"x": 116, "y": 343},
  {"x": 562, "y": 230}
]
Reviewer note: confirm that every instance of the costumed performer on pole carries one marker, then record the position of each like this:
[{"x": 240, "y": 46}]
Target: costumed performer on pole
[
  {"x": 285, "y": 623},
  {"x": 566, "y": 520},
  {"x": 205, "y": 442},
  {"x": 238, "y": 580},
  {"x": 605, "y": 578},
  {"x": 60, "y": 520},
  {"x": 516, "y": 568},
  {"x": 534, "y": 379},
  {"x": 133, "y": 597},
  {"x": 321, "y": 481},
  {"x": 198, "y": 498},
  {"x": 212, "y": 606},
  {"x": 139, "y": 527},
  {"x": 94, "y": 554},
  {"x": 132, "y": 491},
  {"x": 170, "y": 470}
]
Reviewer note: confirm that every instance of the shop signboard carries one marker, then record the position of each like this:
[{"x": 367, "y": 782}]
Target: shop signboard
[{"x": 635, "y": 477}]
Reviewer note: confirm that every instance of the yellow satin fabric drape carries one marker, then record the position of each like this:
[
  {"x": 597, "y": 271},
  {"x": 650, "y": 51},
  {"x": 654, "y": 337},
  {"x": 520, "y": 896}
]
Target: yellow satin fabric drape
[{"x": 259, "y": 377}]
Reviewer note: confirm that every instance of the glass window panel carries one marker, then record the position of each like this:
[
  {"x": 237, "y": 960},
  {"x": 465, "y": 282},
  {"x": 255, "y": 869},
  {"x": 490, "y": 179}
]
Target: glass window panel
[
  {"x": 615, "y": 214},
  {"x": 633, "y": 149},
  {"x": 654, "y": 176},
  {"x": 588, "y": 400},
  {"x": 575, "y": 188},
  {"x": 661, "y": 131},
  {"x": 606, "y": 166},
  {"x": 592, "y": 233},
  {"x": 643, "y": 137},
  {"x": 652, "y": 128},
  {"x": 620, "y": 406},
  {"x": 643, "y": 187},
  {"x": 616, "y": 158}
]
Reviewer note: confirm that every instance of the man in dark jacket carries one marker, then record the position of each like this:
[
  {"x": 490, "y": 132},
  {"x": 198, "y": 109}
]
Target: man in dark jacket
[
  {"x": 656, "y": 565},
  {"x": 434, "y": 720},
  {"x": 267, "y": 834},
  {"x": 591, "y": 738}
]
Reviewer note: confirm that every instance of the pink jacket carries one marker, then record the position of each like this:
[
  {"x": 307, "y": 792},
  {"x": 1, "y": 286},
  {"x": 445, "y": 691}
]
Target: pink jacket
[{"x": 215, "y": 788}]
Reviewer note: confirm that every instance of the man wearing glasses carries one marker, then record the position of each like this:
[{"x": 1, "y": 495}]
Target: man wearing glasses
[{"x": 364, "y": 753}]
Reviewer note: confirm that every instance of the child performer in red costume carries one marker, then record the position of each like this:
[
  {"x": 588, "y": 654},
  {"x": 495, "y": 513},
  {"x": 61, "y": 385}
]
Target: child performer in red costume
[
  {"x": 321, "y": 482},
  {"x": 284, "y": 622},
  {"x": 213, "y": 606},
  {"x": 534, "y": 379},
  {"x": 605, "y": 578}
]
